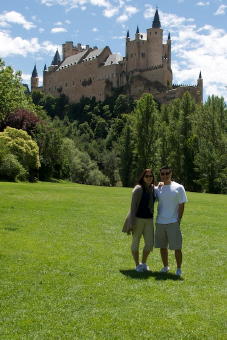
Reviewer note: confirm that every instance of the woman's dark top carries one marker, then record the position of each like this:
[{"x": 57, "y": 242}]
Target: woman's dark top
[{"x": 143, "y": 209}]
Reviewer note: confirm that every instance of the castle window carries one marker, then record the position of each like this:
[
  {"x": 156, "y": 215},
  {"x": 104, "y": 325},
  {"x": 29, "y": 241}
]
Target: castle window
[
  {"x": 142, "y": 54},
  {"x": 155, "y": 32},
  {"x": 141, "y": 36}
]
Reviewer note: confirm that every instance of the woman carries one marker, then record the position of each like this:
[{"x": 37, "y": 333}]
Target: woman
[{"x": 139, "y": 220}]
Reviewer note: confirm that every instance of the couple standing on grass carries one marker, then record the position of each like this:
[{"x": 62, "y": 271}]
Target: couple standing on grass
[{"x": 171, "y": 197}]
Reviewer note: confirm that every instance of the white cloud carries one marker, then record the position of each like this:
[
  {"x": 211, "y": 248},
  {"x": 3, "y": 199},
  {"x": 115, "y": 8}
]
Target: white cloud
[
  {"x": 128, "y": 11},
  {"x": 221, "y": 10},
  {"x": 122, "y": 18},
  {"x": 95, "y": 29},
  {"x": 121, "y": 37},
  {"x": 110, "y": 12},
  {"x": 131, "y": 10},
  {"x": 10, "y": 46},
  {"x": 58, "y": 30},
  {"x": 58, "y": 23},
  {"x": 14, "y": 17},
  {"x": 203, "y": 3},
  {"x": 110, "y": 7}
]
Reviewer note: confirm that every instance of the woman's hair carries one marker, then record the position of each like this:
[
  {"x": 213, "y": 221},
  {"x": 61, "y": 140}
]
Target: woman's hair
[{"x": 141, "y": 177}]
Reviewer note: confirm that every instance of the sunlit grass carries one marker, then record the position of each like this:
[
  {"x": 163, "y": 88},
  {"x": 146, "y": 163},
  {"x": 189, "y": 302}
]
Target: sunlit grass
[{"x": 67, "y": 272}]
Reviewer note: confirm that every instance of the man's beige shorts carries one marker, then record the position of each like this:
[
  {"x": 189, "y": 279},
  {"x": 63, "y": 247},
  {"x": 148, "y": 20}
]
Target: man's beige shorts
[{"x": 168, "y": 235}]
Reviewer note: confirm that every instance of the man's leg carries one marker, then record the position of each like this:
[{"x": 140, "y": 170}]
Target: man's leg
[
  {"x": 164, "y": 256},
  {"x": 178, "y": 257}
]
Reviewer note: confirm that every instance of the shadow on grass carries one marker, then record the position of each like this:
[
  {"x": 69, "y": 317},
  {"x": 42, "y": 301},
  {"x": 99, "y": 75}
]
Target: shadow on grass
[
  {"x": 146, "y": 275},
  {"x": 10, "y": 228}
]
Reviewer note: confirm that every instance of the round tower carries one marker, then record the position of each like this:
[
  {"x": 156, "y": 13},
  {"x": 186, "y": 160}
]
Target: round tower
[
  {"x": 200, "y": 86},
  {"x": 34, "y": 79}
]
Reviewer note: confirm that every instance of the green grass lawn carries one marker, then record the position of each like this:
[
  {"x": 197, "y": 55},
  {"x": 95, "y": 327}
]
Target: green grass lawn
[{"x": 67, "y": 273}]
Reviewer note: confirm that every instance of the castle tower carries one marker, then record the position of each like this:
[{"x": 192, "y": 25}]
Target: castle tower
[
  {"x": 200, "y": 86},
  {"x": 169, "y": 50},
  {"x": 34, "y": 79},
  {"x": 126, "y": 47},
  {"x": 154, "y": 39}
]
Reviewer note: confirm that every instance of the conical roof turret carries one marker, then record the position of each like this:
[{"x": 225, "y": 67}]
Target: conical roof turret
[
  {"x": 200, "y": 75},
  {"x": 34, "y": 72},
  {"x": 57, "y": 59},
  {"x": 137, "y": 30},
  {"x": 156, "y": 21},
  {"x": 45, "y": 68},
  {"x": 128, "y": 34}
]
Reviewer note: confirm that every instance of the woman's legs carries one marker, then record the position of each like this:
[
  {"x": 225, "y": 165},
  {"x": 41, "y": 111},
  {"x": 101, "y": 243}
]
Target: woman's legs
[
  {"x": 136, "y": 236},
  {"x": 148, "y": 235}
]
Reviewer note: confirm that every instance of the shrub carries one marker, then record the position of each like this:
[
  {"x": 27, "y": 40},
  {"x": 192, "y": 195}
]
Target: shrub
[{"x": 11, "y": 169}]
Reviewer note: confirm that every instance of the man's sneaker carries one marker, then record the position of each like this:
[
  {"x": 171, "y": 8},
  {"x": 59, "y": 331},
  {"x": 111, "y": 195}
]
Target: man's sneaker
[
  {"x": 145, "y": 267},
  {"x": 139, "y": 268},
  {"x": 164, "y": 270},
  {"x": 178, "y": 272}
]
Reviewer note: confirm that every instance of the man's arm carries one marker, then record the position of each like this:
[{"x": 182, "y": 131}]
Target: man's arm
[{"x": 180, "y": 211}]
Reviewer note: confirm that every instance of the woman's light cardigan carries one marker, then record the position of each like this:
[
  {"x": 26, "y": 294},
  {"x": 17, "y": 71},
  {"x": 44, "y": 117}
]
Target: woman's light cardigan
[{"x": 130, "y": 220}]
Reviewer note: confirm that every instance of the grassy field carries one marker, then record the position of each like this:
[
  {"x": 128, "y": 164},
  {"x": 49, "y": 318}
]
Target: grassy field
[{"x": 67, "y": 273}]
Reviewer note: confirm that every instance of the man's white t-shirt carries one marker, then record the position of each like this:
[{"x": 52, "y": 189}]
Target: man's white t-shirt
[{"x": 169, "y": 197}]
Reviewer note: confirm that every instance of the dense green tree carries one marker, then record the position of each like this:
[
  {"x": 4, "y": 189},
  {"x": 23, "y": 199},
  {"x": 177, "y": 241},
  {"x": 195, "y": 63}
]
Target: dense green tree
[
  {"x": 123, "y": 104},
  {"x": 146, "y": 118},
  {"x": 49, "y": 140},
  {"x": 127, "y": 155},
  {"x": 211, "y": 158},
  {"x": 12, "y": 92}
]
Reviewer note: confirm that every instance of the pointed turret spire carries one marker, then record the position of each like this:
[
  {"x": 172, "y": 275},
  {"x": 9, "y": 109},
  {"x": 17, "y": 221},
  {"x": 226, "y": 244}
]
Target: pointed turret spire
[
  {"x": 137, "y": 30},
  {"x": 56, "y": 60},
  {"x": 34, "y": 72},
  {"x": 128, "y": 34},
  {"x": 200, "y": 75},
  {"x": 45, "y": 68},
  {"x": 169, "y": 36},
  {"x": 156, "y": 21}
]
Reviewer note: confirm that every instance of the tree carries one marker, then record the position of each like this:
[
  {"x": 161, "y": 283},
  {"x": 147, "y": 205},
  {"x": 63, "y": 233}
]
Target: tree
[
  {"x": 12, "y": 92},
  {"x": 211, "y": 157},
  {"x": 127, "y": 155},
  {"x": 49, "y": 140},
  {"x": 21, "y": 145},
  {"x": 146, "y": 118},
  {"x": 22, "y": 119},
  {"x": 123, "y": 104}
]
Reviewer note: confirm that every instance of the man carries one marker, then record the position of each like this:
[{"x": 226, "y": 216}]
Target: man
[{"x": 171, "y": 199}]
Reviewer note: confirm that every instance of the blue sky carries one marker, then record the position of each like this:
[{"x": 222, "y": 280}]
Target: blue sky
[{"x": 32, "y": 30}]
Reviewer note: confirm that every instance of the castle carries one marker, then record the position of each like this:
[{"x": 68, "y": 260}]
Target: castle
[{"x": 93, "y": 72}]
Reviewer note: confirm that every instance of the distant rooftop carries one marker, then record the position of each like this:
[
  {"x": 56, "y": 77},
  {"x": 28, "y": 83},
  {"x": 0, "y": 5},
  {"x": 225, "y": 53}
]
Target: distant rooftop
[
  {"x": 113, "y": 59},
  {"x": 94, "y": 54},
  {"x": 72, "y": 60}
]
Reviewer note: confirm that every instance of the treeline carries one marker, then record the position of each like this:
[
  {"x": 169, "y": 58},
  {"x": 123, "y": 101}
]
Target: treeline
[{"x": 108, "y": 143}]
